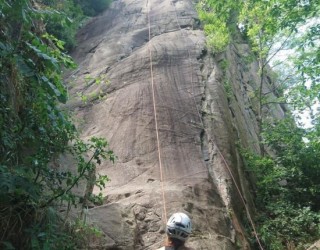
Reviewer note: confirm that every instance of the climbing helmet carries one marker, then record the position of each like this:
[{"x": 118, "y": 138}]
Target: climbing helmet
[{"x": 179, "y": 226}]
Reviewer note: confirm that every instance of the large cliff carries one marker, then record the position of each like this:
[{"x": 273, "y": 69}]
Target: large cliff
[{"x": 173, "y": 113}]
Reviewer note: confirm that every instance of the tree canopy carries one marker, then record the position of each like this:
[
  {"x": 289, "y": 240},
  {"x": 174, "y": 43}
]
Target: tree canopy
[
  {"x": 35, "y": 131},
  {"x": 284, "y": 36}
]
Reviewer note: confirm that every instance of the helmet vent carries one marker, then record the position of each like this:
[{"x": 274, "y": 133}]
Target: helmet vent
[{"x": 180, "y": 225}]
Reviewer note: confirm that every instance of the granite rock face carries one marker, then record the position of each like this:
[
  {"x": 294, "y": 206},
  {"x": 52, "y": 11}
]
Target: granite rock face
[{"x": 181, "y": 158}]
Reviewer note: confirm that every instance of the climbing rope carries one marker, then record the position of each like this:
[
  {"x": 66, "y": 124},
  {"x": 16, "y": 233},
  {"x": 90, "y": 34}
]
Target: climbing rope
[
  {"x": 155, "y": 118},
  {"x": 201, "y": 120},
  {"x": 216, "y": 146}
]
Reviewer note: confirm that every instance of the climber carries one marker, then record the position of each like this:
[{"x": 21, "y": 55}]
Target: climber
[{"x": 178, "y": 230}]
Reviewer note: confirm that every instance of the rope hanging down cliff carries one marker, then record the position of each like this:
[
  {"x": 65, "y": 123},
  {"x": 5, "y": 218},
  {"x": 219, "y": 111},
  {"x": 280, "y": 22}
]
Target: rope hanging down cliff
[
  {"x": 162, "y": 180},
  {"x": 155, "y": 116}
]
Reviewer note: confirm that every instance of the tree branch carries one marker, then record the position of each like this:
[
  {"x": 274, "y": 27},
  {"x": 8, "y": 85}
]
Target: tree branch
[{"x": 72, "y": 185}]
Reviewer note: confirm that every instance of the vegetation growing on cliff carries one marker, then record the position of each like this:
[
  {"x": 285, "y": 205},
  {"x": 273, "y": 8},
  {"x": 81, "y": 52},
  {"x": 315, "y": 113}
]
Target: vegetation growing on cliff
[
  {"x": 288, "y": 188},
  {"x": 35, "y": 131},
  {"x": 64, "y": 17},
  {"x": 287, "y": 185}
]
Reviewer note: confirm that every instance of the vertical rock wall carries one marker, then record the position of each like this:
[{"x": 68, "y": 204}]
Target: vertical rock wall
[{"x": 198, "y": 123}]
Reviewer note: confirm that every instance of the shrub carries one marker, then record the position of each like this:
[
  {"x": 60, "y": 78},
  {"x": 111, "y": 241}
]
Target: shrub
[
  {"x": 35, "y": 131},
  {"x": 287, "y": 186}
]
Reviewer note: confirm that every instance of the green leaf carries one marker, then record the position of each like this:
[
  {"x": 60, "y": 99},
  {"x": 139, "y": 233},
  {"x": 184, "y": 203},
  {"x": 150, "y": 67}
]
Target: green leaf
[
  {"x": 43, "y": 55},
  {"x": 24, "y": 69},
  {"x": 6, "y": 49},
  {"x": 54, "y": 90},
  {"x": 8, "y": 245}
]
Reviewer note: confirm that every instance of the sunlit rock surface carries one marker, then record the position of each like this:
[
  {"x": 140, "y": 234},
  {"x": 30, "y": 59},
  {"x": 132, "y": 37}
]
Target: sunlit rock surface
[{"x": 199, "y": 123}]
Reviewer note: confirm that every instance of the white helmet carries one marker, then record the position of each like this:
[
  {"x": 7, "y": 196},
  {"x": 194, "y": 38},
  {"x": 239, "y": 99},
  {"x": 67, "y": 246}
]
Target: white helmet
[{"x": 179, "y": 226}]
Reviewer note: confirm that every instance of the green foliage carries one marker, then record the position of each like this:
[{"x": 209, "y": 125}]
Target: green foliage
[
  {"x": 304, "y": 84},
  {"x": 287, "y": 184},
  {"x": 287, "y": 25},
  {"x": 287, "y": 223},
  {"x": 218, "y": 22},
  {"x": 49, "y": 232},
  {"x": 216, "y": 31},
  {"x": 62, "y": 20},
  {"x": 271, "y": 27},
  {"x": 89, "y": 80},
  {"x": 34, "y": 132},
  {"x": 288, "y": 187},
  {"x": 93, "y": 7},
  {"x": 301, "y": 160},
  {"x": 85, "y": 233},
  {"x": 264, "y": 20}
]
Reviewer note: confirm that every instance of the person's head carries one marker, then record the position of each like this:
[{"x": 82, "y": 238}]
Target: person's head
[{"x": 178, "y": 228}]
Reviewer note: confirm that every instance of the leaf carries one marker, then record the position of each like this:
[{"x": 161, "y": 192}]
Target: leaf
[
  {"x": 46, "y": 245},
  {"x": 6, "y": 182},
  {"x": 8, "y": 245},
  {"x": 2, "y": 46},
  {"x": 44, "y": 55},
  {"x": 41, "y": 234},
  {"x": 69, "y": 21},
  {"x": 35, "y": 243},
  {"x": 6, "y": 49},
  {"x": 24, "y": 17},
  {"x": 24, "y": 69},
  {"x": 54, "y": 90},
  {"x": 60, "y": 44}
]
